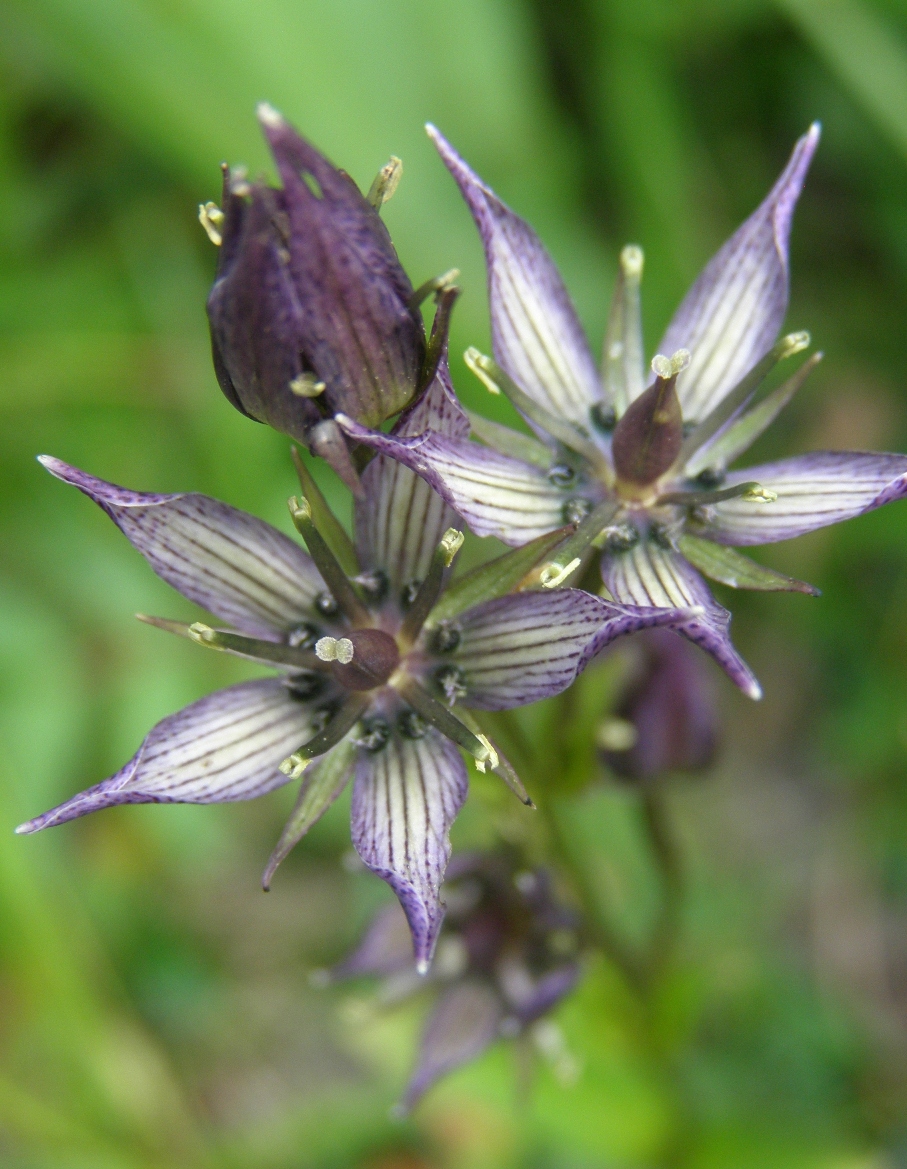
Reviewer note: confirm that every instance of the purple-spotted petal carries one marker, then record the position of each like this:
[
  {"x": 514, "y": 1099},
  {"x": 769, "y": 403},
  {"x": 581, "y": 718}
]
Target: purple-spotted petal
[
  {"x": 651, "y": 575},
  {"x": 399, "y": 518},
  {"x": 230, "y": 563},
  {"x": 466, "y": 1019},
  {"x": 518, "y": 649},
  {"x": 224, "y": 747},
  {"x": 813, "y": 491},
  {"x": 537, "y": 338},
  {"x": 386, "y": 948},
  {"x": 496, "y": 495},
  {"x": 731, "y": 316},
  {"x": 405, "y": 799}
]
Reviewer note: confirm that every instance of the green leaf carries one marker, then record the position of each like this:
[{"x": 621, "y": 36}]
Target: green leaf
[
  {"x": 730, "y": 567},
  {"x": 332, "y": 530},
  {"x": 321, "y": 785},
  {"x": 496, "y": 578},
  {"x": 510, "y": 442}
]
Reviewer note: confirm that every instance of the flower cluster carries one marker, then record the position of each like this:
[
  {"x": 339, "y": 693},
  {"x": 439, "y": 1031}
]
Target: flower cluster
[{"x": 386, "y": 661}]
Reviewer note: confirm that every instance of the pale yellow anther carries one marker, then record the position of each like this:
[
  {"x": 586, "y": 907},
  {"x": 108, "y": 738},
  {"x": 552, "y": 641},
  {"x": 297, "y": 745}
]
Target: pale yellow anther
[
  {"x": 334, "y": 649},
  {"x": 294, "y": 765},
  {"x": 386, "y": 182},
  {"x": 491, "y": 760},
  {"x": 477, "y": 362},
  {"x": 200, "y": 632},
  {"x": 211, "y": 218},
  {"x": 307, "y": 386},
  {"x": 553, "y": 574},
  {"x": 450, "y": 545},
  {"x": 631, "y": 261},
  {"x": 616, "y": 734},
  {"x": 793, "y": 343},
  {"x": 760, "y": 494},
  {"x": 680, "y": 360},
  {"x": 300, "y": 509}
]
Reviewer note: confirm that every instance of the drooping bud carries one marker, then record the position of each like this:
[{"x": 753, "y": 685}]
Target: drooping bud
[
  {"x": 309, "y": 293},
  {"x": 649, "y": 435},
  {"x": 667, "y": 720}
]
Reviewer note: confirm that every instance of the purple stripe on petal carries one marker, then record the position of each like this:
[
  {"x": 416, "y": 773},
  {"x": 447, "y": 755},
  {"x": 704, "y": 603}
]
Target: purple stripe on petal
[
  {"x": 731, "y": 316},
  {"x": 399, "y": 518},
  {"x": 536, "y": 335},
  {"x": 651, "y": 575},
  {"x": 466, "y": 1019},
  {"x": 496, "y": 495},
  {"x": 521, "y": 648},
  {"x": 405, "y": 798},
  {"x": 813, "y": 491},
  {"x": 224, "y": 747},
  {"x": 230, "y": 563}
]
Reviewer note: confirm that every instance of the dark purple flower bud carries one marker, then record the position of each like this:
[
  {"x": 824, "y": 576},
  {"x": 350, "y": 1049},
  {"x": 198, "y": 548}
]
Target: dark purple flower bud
[
  {"x": 667, "y": 720},
  {"x": 311, "y": 313}
]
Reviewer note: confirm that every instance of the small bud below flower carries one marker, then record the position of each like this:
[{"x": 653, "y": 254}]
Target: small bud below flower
[
  {"x": 211, "y": 218},
  {"x": 334, "y": 649},
  {"x": 307, "y": 386}
]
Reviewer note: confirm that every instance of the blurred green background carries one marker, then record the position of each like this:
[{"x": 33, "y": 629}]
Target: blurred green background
[{"x": 155, "y": 1008}]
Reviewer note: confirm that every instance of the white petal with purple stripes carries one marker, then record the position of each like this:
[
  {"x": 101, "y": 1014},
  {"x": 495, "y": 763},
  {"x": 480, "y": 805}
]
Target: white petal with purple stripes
[
  {"x": 648, "y": 574},
  {"x": 405, "y": 798},
  {"x": 536, "y": 335},
  {"x": 521, "y": 648},
  {"x": 229, "y": 562},
  {"x": 224, "y": 747},
  {"x": 399, "y": 518},
  {"x": 813, "y": 491},
  {"x": 731, "y": 316}
]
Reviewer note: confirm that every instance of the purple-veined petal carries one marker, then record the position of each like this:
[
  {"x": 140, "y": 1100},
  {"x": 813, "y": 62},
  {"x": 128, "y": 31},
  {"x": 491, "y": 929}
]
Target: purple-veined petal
[
  {"x": 813, "y": 491},
  {"x": 520, "y": 648},
  {"x": 230, "y": 563},
  {"x": 386, "y": 947},
  {"x": 466, "y": 1019},
  {"x": 399, "y": 518},
  {"x": 536, "y": 335},
  {"x": 225, "y": 747},
  {"x": 496, "y": 495},
  {"x": 405, "y": 798},
  {"x": 648, "y": 574},
  {"x": 731, "y": 316}
]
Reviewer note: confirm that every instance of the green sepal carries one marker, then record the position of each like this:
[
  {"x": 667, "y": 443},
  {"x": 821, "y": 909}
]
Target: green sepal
[
  {"x": 496, "y": 578},
  {"x": 318, "y": 791},
  {"x": 510, "y": 442},
  {"x": 732, "y": 568},
  {"x": 332, "y": 530}
]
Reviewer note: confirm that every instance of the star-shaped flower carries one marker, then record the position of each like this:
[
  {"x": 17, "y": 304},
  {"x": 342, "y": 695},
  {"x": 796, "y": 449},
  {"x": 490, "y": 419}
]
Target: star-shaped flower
[
  {"x": 643, "y": 470},
  {"x": 378, "y": 658}
]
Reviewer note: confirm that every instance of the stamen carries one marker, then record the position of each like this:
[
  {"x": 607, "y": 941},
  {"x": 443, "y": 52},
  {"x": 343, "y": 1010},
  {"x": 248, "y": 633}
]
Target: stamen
[
  {"x": 448, "y": 724},
  {"x": 430, "y": 589},
  {"x": 272, "y": 652},
  {"x": 748, "y": 492},
  {"x": 740, "y": 395},
  {"x": 307, "y": 385},
  {"x": 211, "y": 218},
  {"x": 338, "y": 728},
  {"x": 504, "y": 769},
  {"x": 493, "y": 761},
  {"x": 326, "y": 562},
  {"x": 335, "y": 534},
  {"x": 333, "y": 649},
  {"x": 573, "y": 548},
  {"x": 432, "y": 287},
  {"x": 622, "y": 358},
  {"x": 385, "y": 183},
  {"x": 496, "y": 381},
  {"x": 440, "y": 330}
]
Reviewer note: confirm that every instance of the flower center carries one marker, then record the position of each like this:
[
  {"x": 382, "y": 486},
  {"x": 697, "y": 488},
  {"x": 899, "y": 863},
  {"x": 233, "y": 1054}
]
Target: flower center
[{"x": 363, "y": 660}]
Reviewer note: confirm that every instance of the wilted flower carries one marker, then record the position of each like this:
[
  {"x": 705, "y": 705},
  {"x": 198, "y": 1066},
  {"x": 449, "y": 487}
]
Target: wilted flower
[
  {"x": 666, "y": 718},
  {"x": 506, "y": 957},
  {"x": 311, "y": 312},
  {"x": 643, "y": 471},
  {"x": 377, "y": 664}
]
